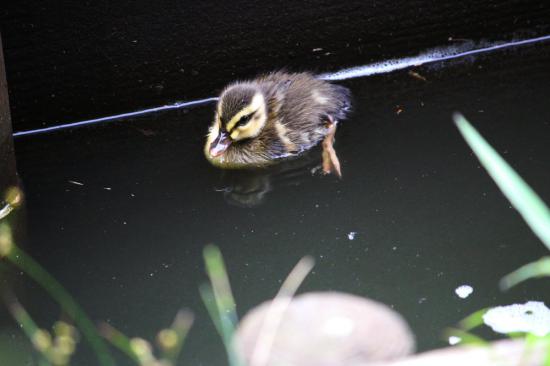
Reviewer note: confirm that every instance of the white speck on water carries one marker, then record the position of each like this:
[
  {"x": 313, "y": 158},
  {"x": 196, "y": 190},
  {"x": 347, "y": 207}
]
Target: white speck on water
[
  {"x": 394, "y": 248},
  {"x": 107, "y": 188},
  {"x": 454, "y": 340},
  {"x": 532, "y": 317},
  {"x": 77, "y": 183},
  {"x": 464, "y": 291},
  {"x": 351, "y": 235}
]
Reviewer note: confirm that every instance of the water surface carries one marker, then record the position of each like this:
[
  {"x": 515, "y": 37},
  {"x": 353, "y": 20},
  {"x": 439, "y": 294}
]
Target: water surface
[{"x": 127, "y": 240}]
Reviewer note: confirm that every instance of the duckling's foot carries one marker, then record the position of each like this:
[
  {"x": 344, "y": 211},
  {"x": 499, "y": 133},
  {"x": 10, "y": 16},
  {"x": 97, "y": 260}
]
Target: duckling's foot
[{"x": 331, "y": 164}]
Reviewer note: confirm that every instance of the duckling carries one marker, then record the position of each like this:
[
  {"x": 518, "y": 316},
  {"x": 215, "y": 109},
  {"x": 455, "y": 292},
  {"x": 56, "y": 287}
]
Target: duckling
[{"x": 275, "y": 116}]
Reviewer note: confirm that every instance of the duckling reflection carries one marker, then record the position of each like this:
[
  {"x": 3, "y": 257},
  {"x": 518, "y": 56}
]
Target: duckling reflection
[{"x": 250, "y": 188}]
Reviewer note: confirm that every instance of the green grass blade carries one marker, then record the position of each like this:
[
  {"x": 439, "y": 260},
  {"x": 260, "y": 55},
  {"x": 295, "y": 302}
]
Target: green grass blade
[
  {"x": 226, "y": 333},
  {"x": 224, "y": 313},
  {"x": 276, "y": 311},
  {"x": 533, "y": 210},
  {"x": 118, "y": 340},
  {"x": 207, "y": 296},
  {"x": 215, "y": 268},
  {"x": 472, "y": 321},
  {"x": 540, "y": 268},
  {"x": 34, "y": 270},
  {"x": 171, "y": 340},
  {"x": 22, "y": 317},
  {"x": 27, "y": 324}
]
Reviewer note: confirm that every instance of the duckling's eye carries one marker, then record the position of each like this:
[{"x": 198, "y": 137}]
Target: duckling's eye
[{"x": 243, "y": 120}]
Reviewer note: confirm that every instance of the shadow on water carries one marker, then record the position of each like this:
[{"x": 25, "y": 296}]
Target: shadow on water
[{"x": 250, "y": 188}]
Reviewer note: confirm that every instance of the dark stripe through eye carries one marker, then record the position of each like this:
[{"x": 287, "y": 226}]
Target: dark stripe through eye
[{"x": 243, "y": 120}]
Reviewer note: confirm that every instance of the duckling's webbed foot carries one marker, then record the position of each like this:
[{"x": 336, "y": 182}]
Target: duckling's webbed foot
[{"x": 331, "y": 164}]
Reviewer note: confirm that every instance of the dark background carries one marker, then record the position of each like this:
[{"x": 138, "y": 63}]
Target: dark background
[{"x": 72, "y": 60}]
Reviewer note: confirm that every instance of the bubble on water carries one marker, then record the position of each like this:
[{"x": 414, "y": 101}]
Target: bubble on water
[
  {"x": 532, "y": 317},
  {"x": 464, "y": 291}
]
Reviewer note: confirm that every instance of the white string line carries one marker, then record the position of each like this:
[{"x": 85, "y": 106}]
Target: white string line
[
  {"x": 116, "y": 116},
  {"x": 438, "y": 55}
]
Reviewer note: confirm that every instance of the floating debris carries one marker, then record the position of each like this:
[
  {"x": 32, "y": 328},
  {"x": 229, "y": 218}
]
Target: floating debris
[
  {"x": 76, "y": 183},
  {"x": 351, "y": 235},
  {"x": 531, "y": 317},
  {"x": 417, "y": 76},
  {"x": 317, "y": 49},
  {"x": 398, "y": 110},
  {"x": 464, "y": 291},
  {"x": 107, "y": 188},
  {"x": 146, "y": 132}
]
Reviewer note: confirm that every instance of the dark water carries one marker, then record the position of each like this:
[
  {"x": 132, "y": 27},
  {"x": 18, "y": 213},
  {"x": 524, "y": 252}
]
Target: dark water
[{"x": 127, "y": 243}]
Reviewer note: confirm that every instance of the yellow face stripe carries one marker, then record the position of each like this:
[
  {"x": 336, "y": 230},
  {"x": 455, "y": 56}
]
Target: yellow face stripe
[{"x": 257, "y": 102}]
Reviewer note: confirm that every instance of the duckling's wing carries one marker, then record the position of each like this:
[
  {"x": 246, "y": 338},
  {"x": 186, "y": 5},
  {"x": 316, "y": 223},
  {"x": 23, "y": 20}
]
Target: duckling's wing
[{"x": 343, "y": 102}]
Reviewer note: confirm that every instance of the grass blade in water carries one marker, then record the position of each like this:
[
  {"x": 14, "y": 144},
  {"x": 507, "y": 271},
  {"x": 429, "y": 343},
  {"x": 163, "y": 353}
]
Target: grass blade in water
[
  {"x": 118, "y": 340},
  {"x": 215, "y": 268},
  {"x": 31, "y": 330},
  {"x": 171, "y": 340},
  {"x": 34, "y": 270},
  {"x": 533, "y": 210},
  {"x": 540, "y": 268},
  {"x": 276, "y": 311},
  {"x": 472, "y": 321},
  {"x": 219, "y": 300}
]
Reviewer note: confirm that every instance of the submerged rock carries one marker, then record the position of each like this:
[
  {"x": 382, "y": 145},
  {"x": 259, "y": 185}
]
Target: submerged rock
[{"x": 325, "y": 328}]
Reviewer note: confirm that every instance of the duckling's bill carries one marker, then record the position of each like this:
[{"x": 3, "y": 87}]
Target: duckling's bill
[{"x": 220, "y": 144}]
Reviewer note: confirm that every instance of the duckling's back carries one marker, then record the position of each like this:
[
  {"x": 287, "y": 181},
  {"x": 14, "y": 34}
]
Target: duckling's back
[{"x": 301, "y": 106}]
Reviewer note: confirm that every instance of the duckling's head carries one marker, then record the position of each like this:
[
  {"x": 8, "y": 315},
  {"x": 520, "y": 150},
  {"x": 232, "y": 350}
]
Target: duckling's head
[{"x": 241, "y": 114}]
